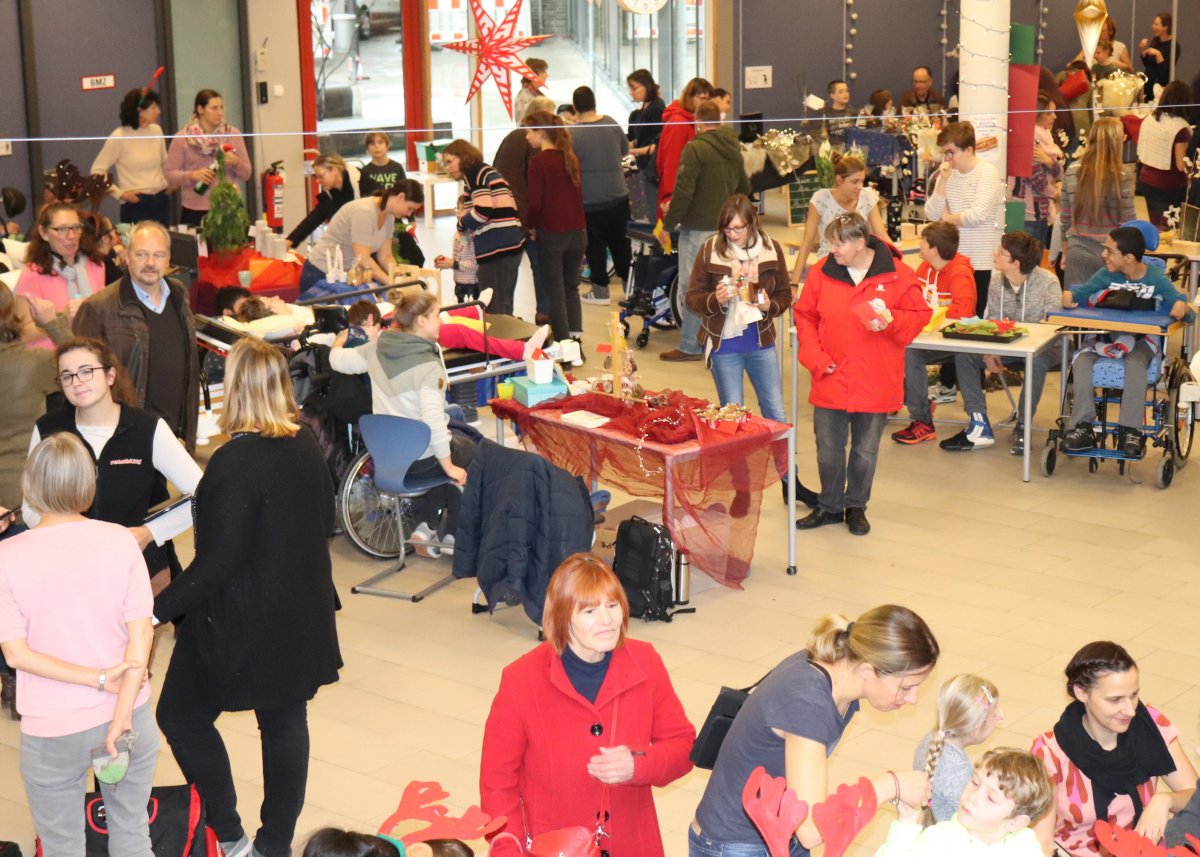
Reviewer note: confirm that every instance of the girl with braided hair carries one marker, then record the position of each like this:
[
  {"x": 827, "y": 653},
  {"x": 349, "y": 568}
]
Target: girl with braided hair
[{"x": 968, "y": 709}]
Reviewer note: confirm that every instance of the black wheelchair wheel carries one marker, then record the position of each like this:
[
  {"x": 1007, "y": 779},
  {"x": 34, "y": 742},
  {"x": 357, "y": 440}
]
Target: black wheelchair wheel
[
  {"x": 1166, "y": 471},
  {"x": 1093, "y": 465},
  {"x": 370, "y": 519},
  {"x": 1181, "y": 416},
  {"x": 1049, "y": 459},
  {"x": 677, "y": 295},
  {"x": 643, "y": 339}
]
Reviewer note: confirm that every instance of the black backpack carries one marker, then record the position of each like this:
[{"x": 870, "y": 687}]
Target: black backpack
[{"x": 644, "y": 562}]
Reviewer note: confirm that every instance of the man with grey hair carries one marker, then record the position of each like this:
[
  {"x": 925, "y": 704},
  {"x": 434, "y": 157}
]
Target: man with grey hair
[{"x": 147, "y": 322}]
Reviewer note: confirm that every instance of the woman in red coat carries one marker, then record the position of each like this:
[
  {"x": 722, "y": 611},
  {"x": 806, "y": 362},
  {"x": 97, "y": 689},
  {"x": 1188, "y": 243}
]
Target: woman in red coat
[
  {"x": 679, "y": 129},
  {"x": 586, "y": 720},
  {"x": 860, "y": 308}
]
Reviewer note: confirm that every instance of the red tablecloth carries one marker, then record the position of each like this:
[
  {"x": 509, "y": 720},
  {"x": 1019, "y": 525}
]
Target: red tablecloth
[
  {"x": 711, "y": 484},
  {"x": 269, "y": 277}
]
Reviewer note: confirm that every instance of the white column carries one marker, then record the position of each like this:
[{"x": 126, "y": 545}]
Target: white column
[{"x": 983, "y": 70}]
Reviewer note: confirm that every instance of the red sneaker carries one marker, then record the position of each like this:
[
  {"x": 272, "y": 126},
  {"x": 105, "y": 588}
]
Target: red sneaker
[{"x": 915, "y": 433}]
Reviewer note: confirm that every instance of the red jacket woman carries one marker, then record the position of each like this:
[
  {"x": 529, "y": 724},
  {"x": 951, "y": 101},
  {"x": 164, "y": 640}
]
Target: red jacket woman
[
  {"x": 551, "y": 758},
  {"x": 860, "y": 308},
  {"x": 869, "y": 374}
]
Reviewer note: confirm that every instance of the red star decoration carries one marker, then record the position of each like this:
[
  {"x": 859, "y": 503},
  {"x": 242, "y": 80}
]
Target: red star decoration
[{"x": 496, "y": 47}]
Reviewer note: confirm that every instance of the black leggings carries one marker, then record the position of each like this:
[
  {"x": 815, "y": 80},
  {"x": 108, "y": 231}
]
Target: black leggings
[{"x": 187, "y": 717}]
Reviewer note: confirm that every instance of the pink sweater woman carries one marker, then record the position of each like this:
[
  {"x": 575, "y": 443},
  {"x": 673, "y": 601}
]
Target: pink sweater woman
[{"x": 63, "y": 266}]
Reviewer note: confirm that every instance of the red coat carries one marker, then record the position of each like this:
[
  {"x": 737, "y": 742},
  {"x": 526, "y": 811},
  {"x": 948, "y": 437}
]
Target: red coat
[
  {"x": 679, "y": 129},
  {"x": 538, "y": 741},
  {"x": 869, "y": 377},
  {"x": 954, "y": 283}
]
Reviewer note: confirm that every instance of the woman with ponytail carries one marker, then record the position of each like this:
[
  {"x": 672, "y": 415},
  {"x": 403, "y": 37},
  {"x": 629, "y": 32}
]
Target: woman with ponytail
[
  {"x": 555, "y": 219},
  {"x": 968, "y": 709},
  {"x": 794, "y": 719}
]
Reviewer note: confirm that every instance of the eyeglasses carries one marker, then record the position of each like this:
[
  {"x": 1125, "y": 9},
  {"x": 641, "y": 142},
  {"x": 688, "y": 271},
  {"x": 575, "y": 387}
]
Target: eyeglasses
[
  {"x": 76, "y": 229},
  {"x": 736, "y": 230},
  {"x": 83, "y": 374}
]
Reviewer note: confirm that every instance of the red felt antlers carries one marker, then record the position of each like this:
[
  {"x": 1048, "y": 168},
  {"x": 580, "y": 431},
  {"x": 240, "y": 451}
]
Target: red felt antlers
[
  {"x": 842, "y": 815},
  {"x": 777, "y": 812},
  {"x": 774, "y": 809},
  {"x": 419, "y": 802},
  {"x": 1122, "y": 842}
]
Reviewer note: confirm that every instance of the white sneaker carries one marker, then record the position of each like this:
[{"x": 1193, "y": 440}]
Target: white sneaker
[
  {"x": 943, "y": 395},
  {"x": 448, "y": 539},
  {"x": 485, "y": 297},
  {"x": 598, "y": 296},
  {"x": 571, "y": 352},
  {"x": 536, "y": 341},
  {"x": 420, "y": 538}
]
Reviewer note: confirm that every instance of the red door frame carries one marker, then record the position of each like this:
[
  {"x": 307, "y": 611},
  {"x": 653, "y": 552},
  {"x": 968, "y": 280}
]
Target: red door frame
[{"x": 417, "y": 113}]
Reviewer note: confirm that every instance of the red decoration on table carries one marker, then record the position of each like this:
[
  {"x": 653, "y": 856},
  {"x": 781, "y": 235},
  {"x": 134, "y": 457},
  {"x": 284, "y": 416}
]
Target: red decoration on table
[
  {"x": 1122, "y": 842},
  {"x": 774, "y": 809},
  {"x": 496, "y": 46},
  {"x": 420, "y": 802},
  {"x": 841, "y": 816}
]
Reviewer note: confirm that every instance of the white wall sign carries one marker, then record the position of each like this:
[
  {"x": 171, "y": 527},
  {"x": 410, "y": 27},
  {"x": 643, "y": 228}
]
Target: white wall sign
[
  {"x": 98, "y": 81},
  {"x": 758, "y": 77}
]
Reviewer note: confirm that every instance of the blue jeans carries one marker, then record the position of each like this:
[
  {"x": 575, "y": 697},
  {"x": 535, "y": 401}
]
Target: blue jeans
[
  {"x": 700, "y": 845},
  {"x": 728, "y": 371},
  {"x": 690, "y": 242}
]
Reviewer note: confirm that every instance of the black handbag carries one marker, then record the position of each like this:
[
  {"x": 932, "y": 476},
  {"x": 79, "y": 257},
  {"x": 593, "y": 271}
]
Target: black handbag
[
  {"x": 177, "y": 824},
  {"x": 716, "y": 725}
]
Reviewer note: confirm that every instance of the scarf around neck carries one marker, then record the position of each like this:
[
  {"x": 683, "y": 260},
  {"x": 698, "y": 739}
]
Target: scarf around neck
[
  {"x": 743, "y": 261},
  {"x": 1141, "y": 755},
  {"x": 202, "y": 140}
]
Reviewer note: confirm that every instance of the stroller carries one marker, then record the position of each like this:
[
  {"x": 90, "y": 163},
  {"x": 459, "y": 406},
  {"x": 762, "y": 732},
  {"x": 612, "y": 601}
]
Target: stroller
[{"x": 653, "y": 290}]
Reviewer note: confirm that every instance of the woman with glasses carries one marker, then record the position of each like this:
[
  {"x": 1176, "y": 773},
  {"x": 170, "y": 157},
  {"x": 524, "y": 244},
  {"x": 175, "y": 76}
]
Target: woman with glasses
[
  {"x": 739, "y": 286},
  {"x": 63, "y": 264},
  {"x": 339, "y": 185},
  {"x": 135, "y": 452}
]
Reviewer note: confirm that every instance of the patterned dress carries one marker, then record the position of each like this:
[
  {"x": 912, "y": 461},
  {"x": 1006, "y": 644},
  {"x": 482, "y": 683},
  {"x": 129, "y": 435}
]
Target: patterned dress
[{"x": 1075, "y": 811}]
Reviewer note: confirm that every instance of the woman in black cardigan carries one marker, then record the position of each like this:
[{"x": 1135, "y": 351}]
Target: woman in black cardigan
[{"x": 259, "y": 631}]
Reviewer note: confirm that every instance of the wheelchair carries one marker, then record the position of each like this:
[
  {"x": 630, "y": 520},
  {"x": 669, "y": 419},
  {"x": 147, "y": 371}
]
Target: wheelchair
[
  {"x": 1169, "y": 425},
  {"x": 653, "y": 291}
]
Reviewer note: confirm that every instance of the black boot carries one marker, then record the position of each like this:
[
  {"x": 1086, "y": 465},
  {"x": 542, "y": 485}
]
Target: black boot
[{"x": 803, "y": 495}]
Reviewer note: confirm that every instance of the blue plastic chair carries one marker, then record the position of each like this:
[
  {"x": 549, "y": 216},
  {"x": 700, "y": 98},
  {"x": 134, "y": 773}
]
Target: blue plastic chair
[{"x": 395, "y": 443}]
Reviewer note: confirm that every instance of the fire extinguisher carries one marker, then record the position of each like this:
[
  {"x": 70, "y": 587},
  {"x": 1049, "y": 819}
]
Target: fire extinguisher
[{"x": 272, "y": 194}]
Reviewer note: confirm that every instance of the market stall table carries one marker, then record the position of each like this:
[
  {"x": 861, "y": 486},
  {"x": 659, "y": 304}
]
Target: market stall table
[
  {"x": 711, "y": 486},
  {"x": 268, "y": 277},
  {"x": 1039, "y": 338}
]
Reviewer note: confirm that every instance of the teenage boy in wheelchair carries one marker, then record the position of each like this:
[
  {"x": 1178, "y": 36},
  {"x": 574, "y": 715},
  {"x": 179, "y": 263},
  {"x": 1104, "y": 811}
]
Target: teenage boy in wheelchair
[{"x": 1125, "y": 282}]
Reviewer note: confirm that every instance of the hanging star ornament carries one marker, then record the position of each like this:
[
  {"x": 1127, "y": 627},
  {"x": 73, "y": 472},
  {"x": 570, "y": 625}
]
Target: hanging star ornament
[
  {"x": 496, "y": 47},
  {"x": 1089, "y": 21}
]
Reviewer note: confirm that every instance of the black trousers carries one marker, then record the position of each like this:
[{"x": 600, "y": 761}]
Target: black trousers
[
  {"x": 605, "y": 235},
  {"x": 187, "y": 717},
  {"x": 983, "y": 280}
]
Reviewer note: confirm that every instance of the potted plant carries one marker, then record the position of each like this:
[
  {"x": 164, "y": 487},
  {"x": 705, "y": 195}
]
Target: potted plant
[{"x": 226, "y": 227}]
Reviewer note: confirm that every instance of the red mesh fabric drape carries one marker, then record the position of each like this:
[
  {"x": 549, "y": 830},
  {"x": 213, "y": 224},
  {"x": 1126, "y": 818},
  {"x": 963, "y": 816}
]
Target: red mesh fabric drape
[{"x": 711, "y": 482}]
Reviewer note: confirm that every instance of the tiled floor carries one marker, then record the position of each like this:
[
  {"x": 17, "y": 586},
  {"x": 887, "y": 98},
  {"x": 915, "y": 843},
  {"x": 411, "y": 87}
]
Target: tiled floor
[{"x": 1012, "y": 577}]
